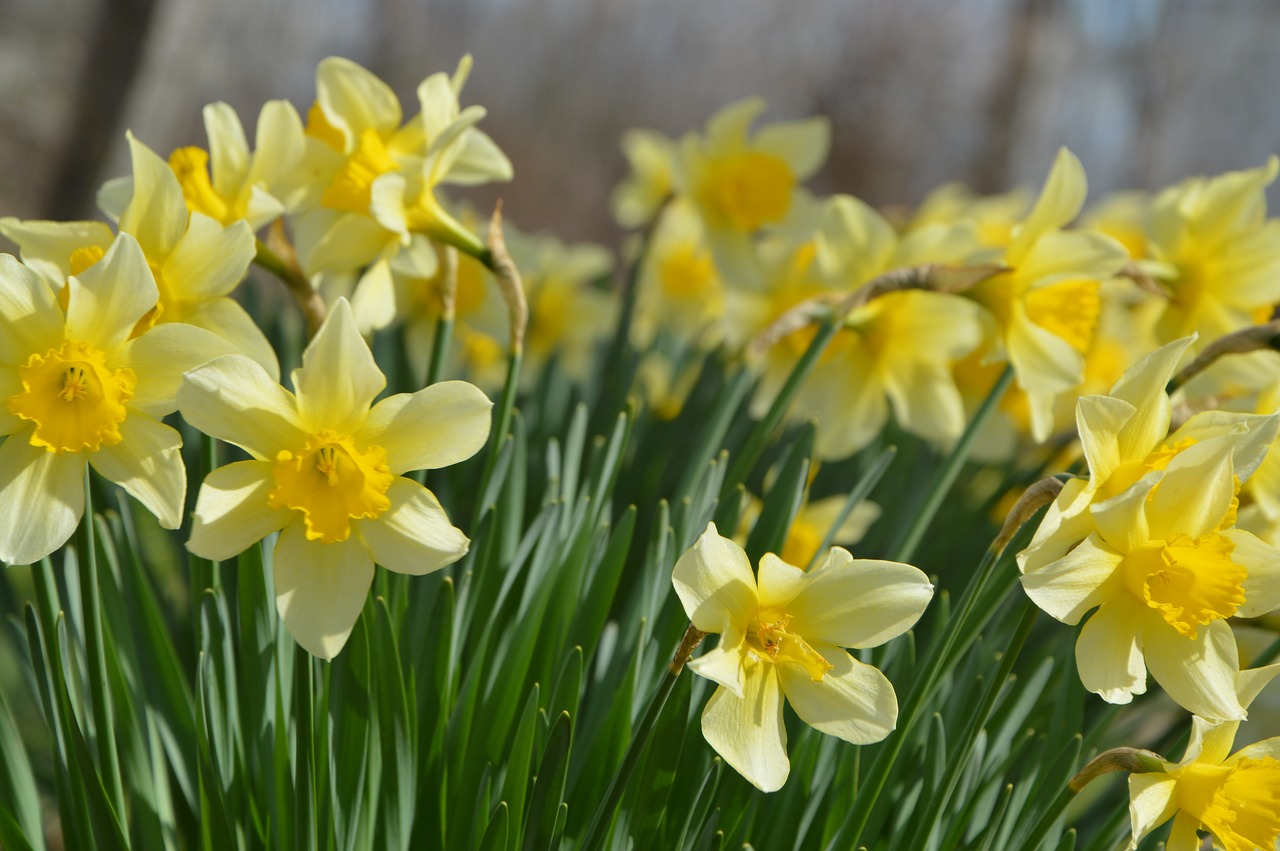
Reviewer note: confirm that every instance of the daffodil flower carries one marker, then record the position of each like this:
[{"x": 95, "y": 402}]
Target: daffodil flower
[
  {"x": 326, "y": 472},
  {"x": 1045, "y": 308},
  {"x": 782, "y": 637},
  {"x": 80, "y": 388},
  {"x": 1235, "y": 797},
  {"x": 639, "y": 197},
  {"x": 1165, "y": 569},
  {"x": 741, "y": 182}
]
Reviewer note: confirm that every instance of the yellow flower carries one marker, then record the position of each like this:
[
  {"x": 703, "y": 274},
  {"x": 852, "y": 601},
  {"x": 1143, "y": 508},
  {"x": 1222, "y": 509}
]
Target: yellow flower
[
  {"x": 1235, "y": 797},
  {"x": 812, "y": 522},
  {"x": 1045, "y": 308},
  {"x": 1216, "y": 252},
  {"x": 680, "y": 287},
  {"x": 80, "y": 388},
  {"x": 227, "y": 182},
  {"x": 741, "y": 182},
  {"x": 326, "y": 472},
  {"x": 1165, "y": 568},
  {"x": 637, "y": 199},
  {"x": 782, "y": 637},
  {"x": 994, "y": 217}
]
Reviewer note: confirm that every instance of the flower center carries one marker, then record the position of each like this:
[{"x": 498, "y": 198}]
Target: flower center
[
  {"x": 687, "y": 272},
  {"x": 352, "y": 186},
  {"x": 318, "y": 127},
  {"x": 750, "y": 189},
  {"x": 1130, "y": 471},
  {"x": 1240, "y": 804},
  {"x": 1068, "y": 309},
  {"x": 82, "y": 258},
  {"x": 191, "y": 165},
  {"x": 769, "y": 638},
  {"x": 74, "y": 399},
  {"x": 332, "y": 483},
  {"x": 1190, "y": 581}
]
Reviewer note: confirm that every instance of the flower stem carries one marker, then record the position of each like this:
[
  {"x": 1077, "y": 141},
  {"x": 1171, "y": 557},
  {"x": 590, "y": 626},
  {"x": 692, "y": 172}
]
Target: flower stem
[
  {"x": 287, "y": 270},
  {"x": 439, "y": 349},
  {"x": 946, "y": 475},
  {"x": 96, "y": 662},
  {"x": 599, "y": 827}
]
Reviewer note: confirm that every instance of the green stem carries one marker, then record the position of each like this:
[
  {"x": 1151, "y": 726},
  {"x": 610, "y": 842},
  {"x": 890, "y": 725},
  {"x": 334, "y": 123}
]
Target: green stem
[
  {"x": 439, "y": 349},
  {"x": 305, "y": 830},
  {"x": 502, "y": 425},
  {"x": 709, "y": 438},
  {"x": 946, "y": 475},
  {"x": 764, "y": 428},
  {"x": 599, "y": 826},
  {"x": 96, "y": 662}
]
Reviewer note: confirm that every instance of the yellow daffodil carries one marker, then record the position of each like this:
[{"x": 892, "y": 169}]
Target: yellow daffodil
[
  {"x": 195, "y": 260},
  {"x": 228, "y": 182},
  {"x": 741, "y": 182},
  {"x": 812, "y": 522},
  {"x": 81, "y": 387},
  {"x": 326, "y": 472},
  {"x": 680, "y": 288},
  {"x": 1165, "y": 568},
  {"x": 994, "y": 217},
  {"x": 1045, "y": 308},
  {"x": 1217, "y": 253},
  {"x": 1234, "y": 797},
  {"x": 782, "y": 637},
  {"x": 896, "y": 350},
  {"x": 637, "y": 199}
]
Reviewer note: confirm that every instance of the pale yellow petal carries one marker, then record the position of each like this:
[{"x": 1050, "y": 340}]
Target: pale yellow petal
[
  {"x": 10, "y": 385},
  {"x": 1251, "y": 436},
  {"x": 1075, "y": 583},
  {"x": 338, "y": 379},
  {"x": 355, "y": 100},
  {"x": 157, "y": 212},
  {"x": 1143, "y": 386},
  {"x": 320, "y": 588},
  {"x": 233, "y": 399},
  {"x": 329, "y": 241},
  {"x": 1109, "y": 653},
  {"x": 1059, "y": 202},
  {"x": 747, "y": 731},
  {"x": 1198, "y": 673},
  {"x": 479, "y": 161},
  {"x": 47, "y": 247},
  {"x": 373, "y": 302},
  {"x": 1152, "y": 802},
  {"x": 723, "y": 663},
  {"x": 1044, "y": 362},
  {"x": 41, "y": 499},
  {"x": 852, "y": 701},
  {"x": 802, "y": 145},
  {"x": 228, "y": 148},
  {"x": 107, "y": 299},
  {"x": 1183, "y": 836},
  {"x": 159, "y": 358},
  {"x": 1066, "y": 255},
  {"x": 414, "y": 535},
  {"x": 29, "y": 313},
  {"x": 1194, "y": 493},
  {"x": 210, "y": 260},
  {"x": 728, "y": 127},
  {"x": 279, "y": 143},
  {"x": 1262, "y": 586},
  {"x": 1122, "y": 520},
  {"x": 1099, "y": 421},
  {"x": 438, "y": 426},
  {"x": 238, "y": 333},
  {"x": 1065, "y": 524},
  {"x": 147, "y": 463},
  {"x": 232, "y": 513},
  {"x": 713, "y": 579}
]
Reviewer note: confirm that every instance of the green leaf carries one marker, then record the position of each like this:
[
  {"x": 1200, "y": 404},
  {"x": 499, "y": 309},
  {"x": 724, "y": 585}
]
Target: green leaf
[{"x": 548, "y": 789}]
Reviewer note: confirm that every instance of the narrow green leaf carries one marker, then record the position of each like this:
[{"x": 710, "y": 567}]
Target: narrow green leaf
[{"x": 548, "y": 789}]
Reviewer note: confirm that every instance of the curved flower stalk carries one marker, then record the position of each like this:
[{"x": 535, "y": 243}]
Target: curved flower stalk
[
  {"x": 195, "y": 261},
  {"x": 326, "y": 472},
  {"x": 782, "y": 637},
  {"x": 82, "y": 387},
  {"x": 1235, "y": 797},
  {"x": 1045, "y": 308},
  {"x": 742, "y": 182}
]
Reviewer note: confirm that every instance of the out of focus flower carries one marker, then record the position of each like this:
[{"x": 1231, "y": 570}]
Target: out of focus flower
[
  {"x": 637, "y": 199},
  {"x": 782, "y": 636},
  {"x": 82, "y": 387},
  {"x": 680, "y": 288},
  {"x": 327, "y": 473}
]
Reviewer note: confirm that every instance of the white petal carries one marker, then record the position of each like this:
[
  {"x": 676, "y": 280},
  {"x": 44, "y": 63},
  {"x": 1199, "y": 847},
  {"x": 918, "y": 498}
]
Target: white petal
[
  {"x": 1152, "y": 802},
  {"x": 338, "y": 379},
  {"x": 147, "y": 463},
  {"x": 414, "y": 535},
  {"x": 852, "y": 701},
  {"x": 108, "y": 298},
  {"x": 41, "y": 499},
  {"x": 232, "y": 512},
  {"x": 1198, "y": 673},
  {"x": 713, "y": 579},
  {"x": 1075, "y": 583},
  {"x": 1109, "y": 653},
  {"x": 438, "y": 426},
  {"x": 233, "y": 399},
  {"x": 858, "y": 602},
  {"x": 320, "y": 588},
  {"x": 747, "y": 731},
  {"x": 30, "y": 317}
]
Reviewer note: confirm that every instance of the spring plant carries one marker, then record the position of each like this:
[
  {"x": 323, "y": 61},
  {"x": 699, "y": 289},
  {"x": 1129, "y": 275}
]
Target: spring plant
[{"x": 339, "y": 514}]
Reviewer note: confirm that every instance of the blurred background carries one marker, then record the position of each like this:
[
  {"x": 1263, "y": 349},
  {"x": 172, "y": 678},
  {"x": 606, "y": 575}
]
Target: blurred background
[{"x": 919, "y": 92}]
